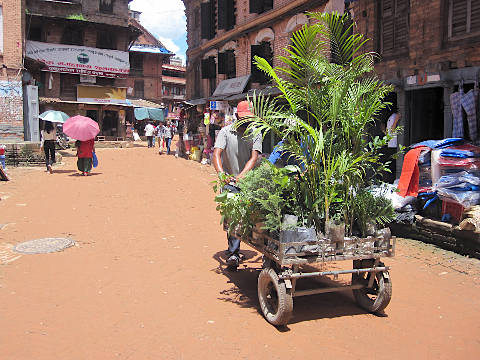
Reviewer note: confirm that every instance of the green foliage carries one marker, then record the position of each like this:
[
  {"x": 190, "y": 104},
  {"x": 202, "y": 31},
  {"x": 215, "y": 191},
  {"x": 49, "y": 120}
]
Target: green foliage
[
  {"x": 77, "y": 17},
  {"x": 371, "y": 209},
  {"x": 267, "y": 193},
  {"x": 323, "y": 115}
]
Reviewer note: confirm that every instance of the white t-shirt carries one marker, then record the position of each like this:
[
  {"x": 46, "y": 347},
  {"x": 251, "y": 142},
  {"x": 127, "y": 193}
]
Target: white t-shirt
[
  {"x": 149, "y": 129},
  {"x": 392, "y": 143}
]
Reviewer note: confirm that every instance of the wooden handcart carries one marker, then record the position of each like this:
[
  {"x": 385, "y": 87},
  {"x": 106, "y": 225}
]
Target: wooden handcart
[{"x": 284, "y": 263}]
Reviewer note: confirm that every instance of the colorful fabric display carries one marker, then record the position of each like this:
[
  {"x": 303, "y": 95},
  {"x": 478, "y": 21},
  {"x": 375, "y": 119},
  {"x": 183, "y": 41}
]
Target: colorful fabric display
[
  {"x": 469, "y": 102},
  {"x": 456, "y": 105}
]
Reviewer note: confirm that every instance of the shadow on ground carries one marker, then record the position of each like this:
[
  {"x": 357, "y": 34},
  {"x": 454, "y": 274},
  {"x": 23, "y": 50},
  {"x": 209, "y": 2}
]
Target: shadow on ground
[
  {"x": 306, "y": 308},
  {"x": 79, "y": 174},
  {"x": 64, "y": 171}
]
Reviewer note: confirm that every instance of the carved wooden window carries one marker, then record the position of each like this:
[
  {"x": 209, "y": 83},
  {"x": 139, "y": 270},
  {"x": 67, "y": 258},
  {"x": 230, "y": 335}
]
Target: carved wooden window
[
  {"x": 463, "y": 18},
  {"x": 394, "y": 26},
  {"x": 139, "y": 89},
  {"x": 226, "y": 14},
  {"x": 106, "y": 6},
  {"x": 209, "y": 68},
  {"x": 226, "y": 64},
  {"x": 260, "y": 6},
  {"x": 263, "y": 50},
  {"x": 136, "y": 64},
  {"x": 208, "y": 19},
  {"x": 72, "y": 36}
]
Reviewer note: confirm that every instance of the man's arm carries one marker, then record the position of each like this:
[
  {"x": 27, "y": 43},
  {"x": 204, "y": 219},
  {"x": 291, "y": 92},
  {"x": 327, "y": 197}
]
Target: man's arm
[
  {"x": 217, "y": 160},
  {"x": 249, "y": 165}
]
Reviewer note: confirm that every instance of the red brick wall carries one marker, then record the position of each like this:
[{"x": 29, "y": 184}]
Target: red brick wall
[
  {"x": 152, "y": 77},
  {"x": 427, "y": 50},
  {"x": 11, "y": 101},
  {"x": 243, "y": 43}
]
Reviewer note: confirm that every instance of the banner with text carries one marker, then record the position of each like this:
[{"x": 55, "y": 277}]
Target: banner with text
[
  {"x": 101, "y": 94},
  {"x": 79, "y": 59}
]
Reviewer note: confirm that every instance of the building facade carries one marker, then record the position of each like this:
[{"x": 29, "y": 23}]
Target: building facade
[
  {"x": 428, "y": 51},
  {"x": 225, "y": 35},
  {"x": 11, "y": 58},
  {"x": 173, "y": 88},
  {"x": 77, "y": 55}
]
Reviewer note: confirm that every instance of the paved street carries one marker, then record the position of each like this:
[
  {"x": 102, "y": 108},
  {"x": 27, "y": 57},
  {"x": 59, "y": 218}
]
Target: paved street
[{"x": 146, "y": 278}]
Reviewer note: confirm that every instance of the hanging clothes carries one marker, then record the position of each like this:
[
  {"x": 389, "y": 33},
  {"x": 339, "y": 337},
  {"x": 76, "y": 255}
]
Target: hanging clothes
[
  {"x": 469, "y": 104},
  {"x": 456, "y": 106}
]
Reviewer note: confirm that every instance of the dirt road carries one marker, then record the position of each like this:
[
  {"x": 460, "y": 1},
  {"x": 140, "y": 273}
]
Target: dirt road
[{"x": 146, "y": 278}]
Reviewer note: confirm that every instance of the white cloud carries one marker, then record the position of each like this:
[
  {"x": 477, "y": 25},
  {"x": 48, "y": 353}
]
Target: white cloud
[{"x": 166, "y": 20}]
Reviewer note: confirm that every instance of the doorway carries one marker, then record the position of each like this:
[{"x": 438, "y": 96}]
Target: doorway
[
  {"x": 110, "y": 123},
  {"x": 425, "y": 115}
]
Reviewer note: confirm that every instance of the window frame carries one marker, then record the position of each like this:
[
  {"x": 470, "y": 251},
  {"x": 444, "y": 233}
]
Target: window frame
[
  {"x": 396, "y": 51},
  {"x": 106, "y": 9},
  {"x": 448, "y": 20},
  {"x": 137, "y": 84}
]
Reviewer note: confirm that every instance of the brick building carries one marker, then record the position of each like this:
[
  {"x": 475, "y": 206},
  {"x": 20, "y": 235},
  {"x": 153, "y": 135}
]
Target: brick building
[
  {"x": 427, "y": 50},
  {"x": 225, "y": 35},
  {"x": 77, "y": 55},
  {"x": 11, "y": 59},
  {"x": 173, "y": 88},
  {"x": 147, "y": 55}
]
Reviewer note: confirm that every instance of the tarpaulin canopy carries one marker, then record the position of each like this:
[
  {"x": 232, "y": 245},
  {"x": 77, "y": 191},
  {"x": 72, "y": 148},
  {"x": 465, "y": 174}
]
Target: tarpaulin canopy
[{"x": 143, "y": 113}]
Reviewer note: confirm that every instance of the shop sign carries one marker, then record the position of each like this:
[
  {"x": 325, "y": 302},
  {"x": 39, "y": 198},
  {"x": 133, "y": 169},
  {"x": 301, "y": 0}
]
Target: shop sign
[
  {"x": 88, "y": 79},
  {"x": 79, "y": 59},
  {"x": 218, "y": 105},
  {"x": 102, "y": 94}
]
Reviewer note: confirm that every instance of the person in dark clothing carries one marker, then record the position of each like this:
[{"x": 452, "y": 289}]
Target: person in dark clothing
[{"x": 49, "y": 137}]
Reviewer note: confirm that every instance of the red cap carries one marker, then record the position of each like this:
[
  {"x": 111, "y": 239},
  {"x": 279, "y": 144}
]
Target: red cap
[{"x": 243, "y": 109}]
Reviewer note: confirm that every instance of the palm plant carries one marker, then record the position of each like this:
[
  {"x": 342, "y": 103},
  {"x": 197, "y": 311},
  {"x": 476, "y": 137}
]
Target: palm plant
[{"x": 323, "y": 114}]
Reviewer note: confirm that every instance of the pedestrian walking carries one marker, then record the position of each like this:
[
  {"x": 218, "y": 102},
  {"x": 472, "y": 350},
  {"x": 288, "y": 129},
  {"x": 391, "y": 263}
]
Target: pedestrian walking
[
  {"x": 149, "y": 130},
  {"x": 49, "y": 137},
  {"x": 168, "y": 134},
  {"x": 160, "y": 140},
  {"x": 236, "y": 155},
  {"x": 2, "y": 155},
  {"x": 85, "y": 151}
]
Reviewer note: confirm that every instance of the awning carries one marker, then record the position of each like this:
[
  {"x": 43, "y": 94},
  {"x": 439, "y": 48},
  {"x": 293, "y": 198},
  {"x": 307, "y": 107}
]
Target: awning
[
  {"x": 230, "y": 87},
  {"x": 196, "y": 101},
  {"x": 268, "y": 91},
  {"x": 149, "y": 113}
]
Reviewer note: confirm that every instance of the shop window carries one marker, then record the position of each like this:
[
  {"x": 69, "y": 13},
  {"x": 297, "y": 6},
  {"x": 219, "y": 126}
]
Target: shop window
[
  {"x": 226, "y": 14},
  {"x": 260, "y": 6},
  {"x": 68, "y": 85},
  {"x": 139, "y": 89},
  {"x": 106, "y": 40},
  {"x": 136, "y": 64},
  {"x": 463, "y": 18},
  {"x": 208, "y": 19},
  {"x": 393, "y": 26},
  {"x": 209, "y": 70},
  {"x": 72, "y": 35},
  {"x": 36, "y": 33},
  {"x": 106, "y": 6},
  {"x": 263, "y": 50},
  {"x": 226, "y": 64}
]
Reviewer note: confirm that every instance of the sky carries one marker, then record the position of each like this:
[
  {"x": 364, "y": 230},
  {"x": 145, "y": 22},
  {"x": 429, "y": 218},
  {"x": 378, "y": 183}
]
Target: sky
[{"x": 166, "y": 20}]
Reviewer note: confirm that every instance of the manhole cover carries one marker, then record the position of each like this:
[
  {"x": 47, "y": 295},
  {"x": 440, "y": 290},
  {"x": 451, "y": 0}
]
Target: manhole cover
[{"x": 43, "y": 246}]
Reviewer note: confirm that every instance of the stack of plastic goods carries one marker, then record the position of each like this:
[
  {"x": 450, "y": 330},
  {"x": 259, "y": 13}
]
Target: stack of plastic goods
[
  {"x": 456, "y": 175},
  {"x": 425, "y": 168}
]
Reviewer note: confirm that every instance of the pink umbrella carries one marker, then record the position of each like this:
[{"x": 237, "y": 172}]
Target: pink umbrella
[{"x": 81, "y": 128}]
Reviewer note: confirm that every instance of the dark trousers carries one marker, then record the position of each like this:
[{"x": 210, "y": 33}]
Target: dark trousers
[
  {"x": 49, "y": 148},
  {"x": 233, "y": 242},
  {"x": 233, "y": 245},
  {"x": 150, "y": 141},
  {"x": 168, "y": 142}
]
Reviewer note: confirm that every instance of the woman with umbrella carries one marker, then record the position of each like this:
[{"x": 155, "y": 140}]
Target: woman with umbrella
[
  {"x": 49, "y": 135},
  {"x": 84, "y": 130}
]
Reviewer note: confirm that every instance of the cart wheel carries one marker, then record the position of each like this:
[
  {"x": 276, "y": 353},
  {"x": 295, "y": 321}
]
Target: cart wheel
[
  {"x": 275, "y": 301},
  {"x": 376, "y": 298}
]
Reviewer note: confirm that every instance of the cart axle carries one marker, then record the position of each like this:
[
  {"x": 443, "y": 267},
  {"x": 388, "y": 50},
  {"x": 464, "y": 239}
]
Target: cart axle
[{"x": 337, "y": 272}]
